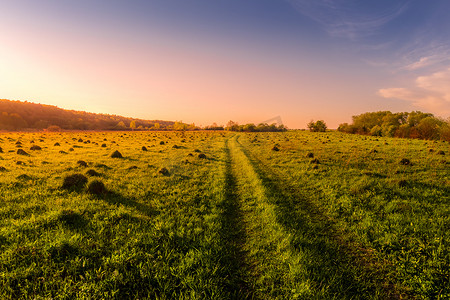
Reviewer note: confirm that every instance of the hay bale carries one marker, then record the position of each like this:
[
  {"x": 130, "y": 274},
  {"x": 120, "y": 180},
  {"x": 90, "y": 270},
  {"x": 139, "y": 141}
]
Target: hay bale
[
  {"x": 22, "y": 152},
  {"x": 74, "y": 181},
  {"x": 116, "y": 154},
  {"x": 56, "y": 144},
  {"x": 96, "y": 187},
  {"x": 161, "y": 143},
  {"x": 35, "y": 147},
  {"x": 103, "y": 145},
  {"x": 144, "y": 148}
]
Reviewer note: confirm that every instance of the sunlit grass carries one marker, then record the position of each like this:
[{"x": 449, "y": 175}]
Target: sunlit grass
[{"x": 244, "y": 221}]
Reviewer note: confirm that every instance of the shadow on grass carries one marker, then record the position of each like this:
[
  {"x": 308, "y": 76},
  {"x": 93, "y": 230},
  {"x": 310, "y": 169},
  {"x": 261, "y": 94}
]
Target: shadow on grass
[
  {"x": 342, "y": 268},
  {"x": 116, "y": 199}
]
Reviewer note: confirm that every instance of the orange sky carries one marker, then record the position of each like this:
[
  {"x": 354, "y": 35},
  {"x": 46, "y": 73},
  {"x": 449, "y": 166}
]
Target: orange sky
[{"x": 181, "y": 67}]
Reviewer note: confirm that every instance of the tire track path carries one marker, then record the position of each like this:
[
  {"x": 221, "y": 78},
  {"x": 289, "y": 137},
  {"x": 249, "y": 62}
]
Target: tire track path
[
  {"x": 333, "y": 268},
  {"x": 234, "y": 235}
]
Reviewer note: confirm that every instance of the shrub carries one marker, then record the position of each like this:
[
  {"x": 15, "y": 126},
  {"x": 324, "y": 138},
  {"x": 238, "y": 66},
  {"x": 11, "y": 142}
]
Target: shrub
[
  {"x": 201, "y": 155},
  {"x": 54, "y": 128},
  {"x": 318, "y": 126},
  {"x": 376, "y": 131}
]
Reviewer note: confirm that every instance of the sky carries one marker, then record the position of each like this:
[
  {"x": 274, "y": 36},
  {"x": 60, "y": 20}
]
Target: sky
[{"x": 203, "y": 61}]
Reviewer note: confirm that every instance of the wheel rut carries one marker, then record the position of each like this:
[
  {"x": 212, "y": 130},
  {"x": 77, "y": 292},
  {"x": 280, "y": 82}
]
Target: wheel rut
[{"x": 234, "y": 234}]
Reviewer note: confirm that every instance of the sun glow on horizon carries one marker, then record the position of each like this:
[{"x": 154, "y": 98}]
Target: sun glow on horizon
[{"x": 177, "y": 63}]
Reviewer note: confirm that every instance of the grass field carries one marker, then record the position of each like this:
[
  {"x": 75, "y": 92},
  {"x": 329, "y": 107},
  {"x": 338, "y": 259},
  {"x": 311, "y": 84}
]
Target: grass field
[{"x": 232, "y": 216}]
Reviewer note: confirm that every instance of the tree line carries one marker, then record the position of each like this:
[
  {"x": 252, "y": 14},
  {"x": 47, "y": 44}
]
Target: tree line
[
  {"x": 415, "y": 124},
  {"x": 249, "y": 127},
  {"x": 17, "y": 115}
]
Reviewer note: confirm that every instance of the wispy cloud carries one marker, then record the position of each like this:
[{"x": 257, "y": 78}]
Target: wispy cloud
[
  {"x": 426, "y": 56},
  {"x": 344, "y": 18},
  {"x": 430, "y": 92}
]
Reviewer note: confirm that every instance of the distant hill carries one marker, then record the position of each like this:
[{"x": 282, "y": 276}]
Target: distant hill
[{"x": 17, "y": 115}]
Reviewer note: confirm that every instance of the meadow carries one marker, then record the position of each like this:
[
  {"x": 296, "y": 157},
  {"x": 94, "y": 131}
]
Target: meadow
[{"x": 222, "y": 215}]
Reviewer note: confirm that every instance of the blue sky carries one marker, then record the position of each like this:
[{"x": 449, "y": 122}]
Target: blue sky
[{"x": 211, "y": 61}]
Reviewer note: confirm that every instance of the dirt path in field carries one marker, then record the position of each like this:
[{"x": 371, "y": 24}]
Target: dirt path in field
[
  {"x": 234, "y": 234},
  {"x": 276, "y": 235},
  {"x": 354, "y": 272}
]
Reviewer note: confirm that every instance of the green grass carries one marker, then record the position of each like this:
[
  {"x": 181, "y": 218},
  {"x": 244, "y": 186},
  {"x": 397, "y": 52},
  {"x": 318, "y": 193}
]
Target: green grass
[{"x": 246, "y": 222}]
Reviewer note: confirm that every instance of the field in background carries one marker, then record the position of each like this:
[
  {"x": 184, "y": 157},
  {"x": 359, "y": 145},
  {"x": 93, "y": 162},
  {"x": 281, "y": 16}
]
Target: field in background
[{"x": 258, "y": 215}]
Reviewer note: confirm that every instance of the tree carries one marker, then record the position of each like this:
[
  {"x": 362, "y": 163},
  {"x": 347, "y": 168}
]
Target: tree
[
  {"x": 376, "y": 130},
  {"x": 232, "y": 126},
  {"x": 53, "y": 128},
  {"x": 428, "y": 128},
  {"x": 318, "y": 126},
  {"x": 121, "y": 125},
  {"x": 249, "y": 127},
  {"x": 133, "y": 125}
]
